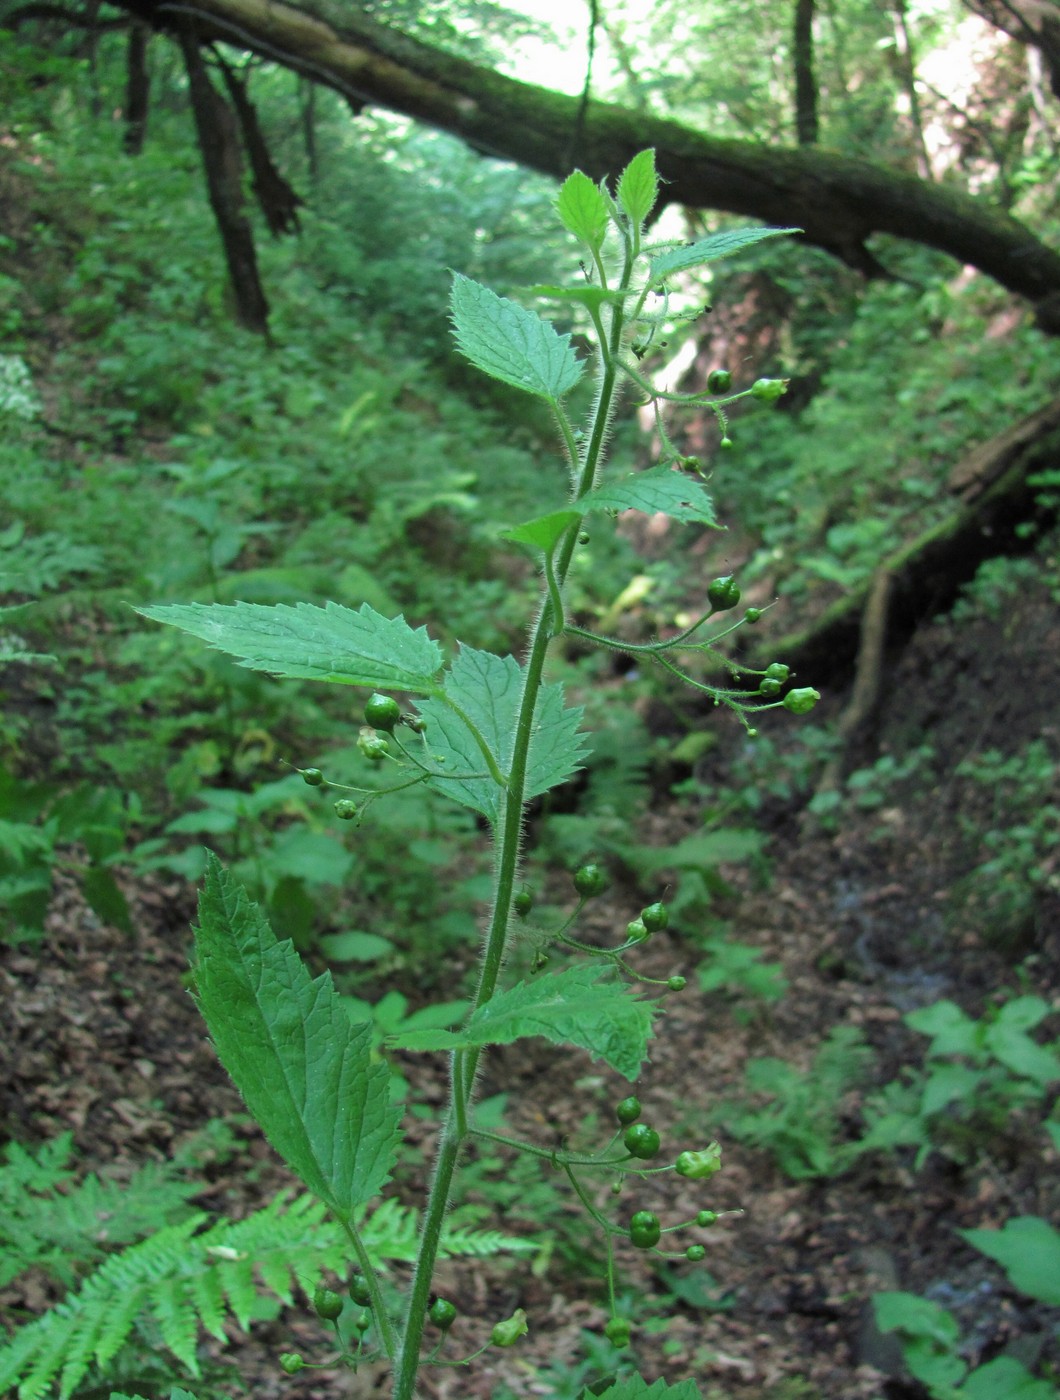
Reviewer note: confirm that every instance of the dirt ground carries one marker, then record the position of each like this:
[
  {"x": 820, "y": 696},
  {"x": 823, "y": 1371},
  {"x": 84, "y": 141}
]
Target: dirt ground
[{"x": 100, "y": 1036}]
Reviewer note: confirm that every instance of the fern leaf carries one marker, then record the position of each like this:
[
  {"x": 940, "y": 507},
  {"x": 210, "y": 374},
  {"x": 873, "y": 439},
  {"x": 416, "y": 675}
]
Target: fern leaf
[
  {"x": 482, "y": 1243},
  {"x": 186, "y": 1277},
  {"x": 237, "y": 1279},
  {"x": 176, "y": 1319},
  {"x": 119, "y": 1324},
  {"x": 207, "y": 1296}
]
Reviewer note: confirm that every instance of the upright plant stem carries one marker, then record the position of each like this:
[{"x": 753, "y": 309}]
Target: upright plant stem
[{"x": 464, "y": 1064}]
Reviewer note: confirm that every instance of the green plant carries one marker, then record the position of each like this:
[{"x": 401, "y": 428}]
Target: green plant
[
  {"x": 491, "y": 734},
  {"x": 867, "y": 789},
  {"x": 1020, "y": 837},
  {"x": 977, "y": 1074},
  {"x": 185, "y": 1277},
  {"x": 48, "y": 1223},
  {"x": 800, "y": 1120},
  {"x": 738, "y": 970},
  {"x": 1028, "y": 1249},
  {"x": 42, "y": 829}
]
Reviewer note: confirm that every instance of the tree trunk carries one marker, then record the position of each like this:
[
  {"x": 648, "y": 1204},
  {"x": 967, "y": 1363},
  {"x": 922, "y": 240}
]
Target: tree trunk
[
  {"x": 218, "y": 136},
  {"x": 137, "y": 88},
  {"x": 906, "y": 65},
  {"x": 277, "y": 200},
  {"x": 838, "y": 201},
  {"x": 805, "y": 80}
]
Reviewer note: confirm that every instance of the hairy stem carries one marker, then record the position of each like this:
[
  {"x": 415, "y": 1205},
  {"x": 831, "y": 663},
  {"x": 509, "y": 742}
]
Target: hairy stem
[{"x": 508, "y": 839}]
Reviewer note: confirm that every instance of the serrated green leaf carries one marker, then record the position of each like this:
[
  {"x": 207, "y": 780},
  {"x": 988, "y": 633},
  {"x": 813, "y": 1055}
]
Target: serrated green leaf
[
  {"x": 583, "y": 209},
  {"x": 637, "y": 1388},
  {"x": 638, "y": 187},
  {"x": 587, "y": 295},
  {"x": 511, "y": 344},
  {"x": 304, "y": 1070},
  {"x": 1028, "y": 1249},
  {"x": 488, "y": 689},
  {"x": 544, "y": 532},
  {"x": 659, "y": 489},
  {"x": 329, "y": 643},
  {"x": 708, "y": 250},
  {"x": 571, "y": 1007}
]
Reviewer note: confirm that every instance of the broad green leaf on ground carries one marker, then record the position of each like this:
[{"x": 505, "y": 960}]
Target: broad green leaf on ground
[
  {"x": 659, "y": 489},
  {"x": 511, "y": 344},
  {"x": 636, "y": 1388},
  {"x": 572, "y": 1007},
  {"x": 638, "y": 187},
  {"x": 583, "y": 209},
  {"x": 1007, "y": 1039},
  {"x": 708, "y": 250},
  {"x": 952, "y": 1032},
  {"x": 1028, "y": 1249},
  {"x": 930, "y": 1336},
  {"x": 487, "y": 690},
  {"x": 304, "y": 1070},
  {"x": 544, "y": 532},
  {"x": 1005, "y": 1378},
  {"x": 329, "y": 643}
]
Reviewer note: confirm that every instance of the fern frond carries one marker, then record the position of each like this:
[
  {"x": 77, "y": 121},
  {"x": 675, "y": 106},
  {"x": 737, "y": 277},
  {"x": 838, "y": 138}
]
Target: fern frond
[
  {"x": 186, "y": 1277},
  {"x": 481, "y": 1243},
  {"x": 61, "y": 1230}
]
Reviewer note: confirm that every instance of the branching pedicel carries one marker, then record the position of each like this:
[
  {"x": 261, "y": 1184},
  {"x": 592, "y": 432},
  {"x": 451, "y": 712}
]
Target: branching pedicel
[{"x": 488, "y": 732}]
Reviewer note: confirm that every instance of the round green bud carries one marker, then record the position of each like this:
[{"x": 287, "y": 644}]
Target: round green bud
[
  {"x": 801, "y": 702},
  {"x": 291, "y": 1362},
  {"x": 345, "y": 810},
  {"x": 381, "y": 712},
  {"x": 313, "y": 776},
  {"x": 725, "y": 443},
  {"x": 770, "y": 688},
  {"x": 644, "y": 1229},
  {"x": 655, "y": 917},
  {"x": 637, "y": 931},
  {"x": 362, "y": 1322},
  {"x": 777, "y": 671},
  {"x": 359, "y": 1291},
  {"x": 706, "y": 1218},
  {"x": 583, "y": 536},
  {"x": 767, "y": 390},
  {"x": 326, "y": 1304},
  {"x": 695, "y": 1252},
  {"x": 723, "y": 593},
  {"x": 719, "y": 381},
  {"x": 752, "y": 614},
  {"x": 590, "y": 881},
  {"x": 523, "y": 903},
  {"x": 618, "y": 1332},
  {"x": 677, "y": 984},
  {"x": 641, "y": 1141},
  {"x": 442, "y": 1313},
  {"x": 628, "y": 1110}
]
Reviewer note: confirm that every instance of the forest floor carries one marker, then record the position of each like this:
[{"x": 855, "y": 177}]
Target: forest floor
[{"x": 100, "y": 1037}]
